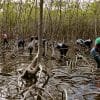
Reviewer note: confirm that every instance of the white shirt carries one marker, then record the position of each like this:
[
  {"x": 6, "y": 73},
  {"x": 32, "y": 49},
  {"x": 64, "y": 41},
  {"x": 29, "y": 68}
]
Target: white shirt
[
  {"x": 5, "y": 36},
  {"x": 31, "y": 44}
]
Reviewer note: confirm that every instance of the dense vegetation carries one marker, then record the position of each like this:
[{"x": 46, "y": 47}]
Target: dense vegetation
[
  {"x": 44, "y": 74},
  {"x": 64, "y": 20}
]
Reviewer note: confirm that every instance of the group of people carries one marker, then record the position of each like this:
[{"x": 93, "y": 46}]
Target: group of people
[
  {"x": 61, "y": 47},
  {"x": 33, "y": 43},
  {"x": 94, "y": 51}
]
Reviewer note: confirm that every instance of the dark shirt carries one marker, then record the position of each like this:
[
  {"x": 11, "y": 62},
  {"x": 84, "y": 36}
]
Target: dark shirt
[{"x": 96, "y": 55}]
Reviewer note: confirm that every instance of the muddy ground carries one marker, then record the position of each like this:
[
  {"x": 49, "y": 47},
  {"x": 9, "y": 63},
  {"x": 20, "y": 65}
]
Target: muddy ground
[{"x": 71, "y": 79}]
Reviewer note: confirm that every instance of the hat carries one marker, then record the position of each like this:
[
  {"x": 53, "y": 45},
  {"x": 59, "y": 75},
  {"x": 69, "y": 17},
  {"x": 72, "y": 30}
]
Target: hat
[{"x": 97, "y": 41}]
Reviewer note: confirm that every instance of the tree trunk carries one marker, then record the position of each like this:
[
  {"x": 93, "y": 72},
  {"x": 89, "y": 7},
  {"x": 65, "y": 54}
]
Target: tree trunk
[
  {"x": 40, "y": 40},
  {"x": 40, "y": 32},
  {"x": 95, "y": 26}
]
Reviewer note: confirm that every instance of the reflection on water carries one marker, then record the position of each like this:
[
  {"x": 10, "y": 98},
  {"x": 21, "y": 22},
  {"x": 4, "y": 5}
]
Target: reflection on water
[
  {"x": 97, "y": 97},
  {"x": 97, "y": 82},
  {"x": 9, "y": 85}
]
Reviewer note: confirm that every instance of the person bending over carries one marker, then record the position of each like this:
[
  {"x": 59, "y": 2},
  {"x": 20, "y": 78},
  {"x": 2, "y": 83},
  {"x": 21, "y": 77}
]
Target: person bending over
[
  {"x": 63, "y": 49},
  {"x": 21, "y": 42},
  {"x": 95, "y": 52},
  {"x": 85, "y": 43}
]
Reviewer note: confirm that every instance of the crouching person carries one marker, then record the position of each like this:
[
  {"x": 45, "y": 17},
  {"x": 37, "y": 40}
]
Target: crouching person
[
  {"x": 88, "y": 43},
  {"x": 95, "y": 52},
  {"x": 63, "y": 49},
  {"x": 21, "y": 43},
  {"x": 84, "y": 43},
  {"x": 80, "y": 42}
]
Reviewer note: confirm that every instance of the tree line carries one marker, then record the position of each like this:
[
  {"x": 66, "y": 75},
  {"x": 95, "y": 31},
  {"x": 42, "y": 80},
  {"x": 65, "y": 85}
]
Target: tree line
[{"x": 61, "y": 20}]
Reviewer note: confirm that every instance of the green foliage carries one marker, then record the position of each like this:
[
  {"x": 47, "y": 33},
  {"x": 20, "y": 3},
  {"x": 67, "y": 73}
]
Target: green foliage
[{"x": 60, "y": 18}]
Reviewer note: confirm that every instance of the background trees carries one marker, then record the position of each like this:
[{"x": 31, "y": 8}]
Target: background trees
[{"x": 61, "y": 19}]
